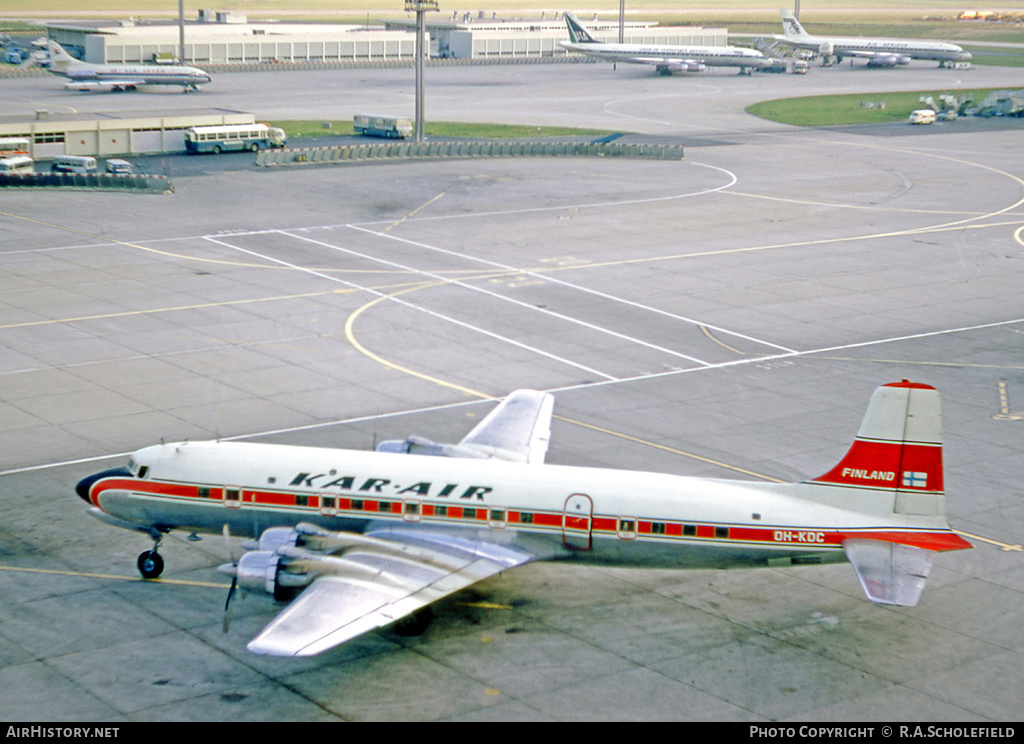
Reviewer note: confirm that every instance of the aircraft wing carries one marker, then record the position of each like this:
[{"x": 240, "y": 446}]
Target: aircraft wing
[
  {"x": 518, "y": 430},
  {"x": 375, "y": 581},
  {"x": 890, "y": 573},
  {"x": 111, "y": 84}
]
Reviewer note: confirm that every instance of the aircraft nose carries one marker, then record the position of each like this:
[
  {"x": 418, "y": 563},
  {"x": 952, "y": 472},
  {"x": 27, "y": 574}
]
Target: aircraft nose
[{"x": 84, "y": 486}]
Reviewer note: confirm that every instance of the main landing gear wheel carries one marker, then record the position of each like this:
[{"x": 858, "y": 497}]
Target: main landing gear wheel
[{"x": 150, "y": 564}]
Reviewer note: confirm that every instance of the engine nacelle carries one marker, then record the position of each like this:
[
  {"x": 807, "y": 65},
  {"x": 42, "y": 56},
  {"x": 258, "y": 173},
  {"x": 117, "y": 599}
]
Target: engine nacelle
[
  {"x": 272, "y": 539},
  {"x": 269, "y": 572},
  {"x": 420, "y": 446},
  {"x": 258, "y": 570}
]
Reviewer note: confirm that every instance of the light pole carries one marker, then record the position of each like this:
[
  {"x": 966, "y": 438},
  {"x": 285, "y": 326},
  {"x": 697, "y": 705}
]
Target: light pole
[{"x": 421, "y": 7}]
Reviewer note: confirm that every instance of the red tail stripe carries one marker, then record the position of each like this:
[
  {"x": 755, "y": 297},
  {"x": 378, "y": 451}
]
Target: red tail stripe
[{"x": 882, "y": 465}]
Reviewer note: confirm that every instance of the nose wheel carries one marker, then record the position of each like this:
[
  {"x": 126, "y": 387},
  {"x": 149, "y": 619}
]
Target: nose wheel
[{"x": 150, "y": 564}]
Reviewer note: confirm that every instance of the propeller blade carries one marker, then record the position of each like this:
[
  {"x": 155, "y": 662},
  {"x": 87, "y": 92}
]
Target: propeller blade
[{"x": 234, "y": 578}]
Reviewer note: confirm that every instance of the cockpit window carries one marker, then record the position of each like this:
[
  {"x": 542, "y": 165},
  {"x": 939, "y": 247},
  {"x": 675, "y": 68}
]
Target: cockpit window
[
  {"x": 131, "y": 466},
  {"x": 143, "y": 470}
]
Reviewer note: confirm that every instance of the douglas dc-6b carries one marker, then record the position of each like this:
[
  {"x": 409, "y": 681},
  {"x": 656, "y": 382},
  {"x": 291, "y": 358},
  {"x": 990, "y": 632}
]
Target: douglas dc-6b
[{"x": 371, "y": 538}]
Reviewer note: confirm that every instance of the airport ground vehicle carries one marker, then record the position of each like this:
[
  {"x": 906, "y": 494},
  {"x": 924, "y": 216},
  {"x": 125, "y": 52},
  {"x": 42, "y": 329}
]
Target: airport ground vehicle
[
  {"x": 116, "y": 165},
  {"x": 17, "y": 164},
  {"x": 233, "y": 137},
  {"x": 922, "y": 116},
  {"x": 10, "y": 146},
  {"x": 397, "y": 127},
  {"x": 73, "y": 164}
]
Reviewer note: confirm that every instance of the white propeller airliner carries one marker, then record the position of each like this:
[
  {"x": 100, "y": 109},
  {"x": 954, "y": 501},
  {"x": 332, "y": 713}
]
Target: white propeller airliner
[{"x": 370, "y": 538}]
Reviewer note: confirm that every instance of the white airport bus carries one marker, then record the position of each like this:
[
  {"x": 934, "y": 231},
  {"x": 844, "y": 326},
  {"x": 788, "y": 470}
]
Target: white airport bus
[
  {"x": 398, "y": 127},
  {"x": 73, "y": 164},
  {"x": 233, "y": 137},
  {"x": 17, "y": 164},
  {"x": 11, "y": 146}
]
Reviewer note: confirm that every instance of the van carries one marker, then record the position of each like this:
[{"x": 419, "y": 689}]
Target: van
[
  {"x": 16, "y": 164},
  {"x": 922, "y": 116},
  {"x": 73, "y": 164},
  {"x": 115, "y": 165}
]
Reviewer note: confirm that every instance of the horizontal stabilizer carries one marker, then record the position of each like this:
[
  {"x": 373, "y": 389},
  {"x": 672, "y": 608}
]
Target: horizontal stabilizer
[{"x": 890, "y": 573}]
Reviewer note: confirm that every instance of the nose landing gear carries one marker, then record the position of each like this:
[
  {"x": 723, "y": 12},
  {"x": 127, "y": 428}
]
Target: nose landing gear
[{"x": 150, "y": 564}]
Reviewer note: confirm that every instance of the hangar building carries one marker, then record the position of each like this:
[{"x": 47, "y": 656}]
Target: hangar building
[
  {"x": 106, "y": 134},
  {"x": 229, "y": 38}
]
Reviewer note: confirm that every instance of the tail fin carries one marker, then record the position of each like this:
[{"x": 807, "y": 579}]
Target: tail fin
[
  {"x": 896, "y": 463},
  {"x": 60, "y": 59},
  {"x": 791, "y": 26},
  {"x": 578, "y": 34},
  {"x": 898, "y": 450}
]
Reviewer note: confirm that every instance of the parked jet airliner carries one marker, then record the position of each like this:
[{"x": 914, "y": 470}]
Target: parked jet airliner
[
  {"x": 666, "y": 59},
  {"x": 373, "y": 537},
  {"x": 90, "y": 77},
  {"x": 879, "y": 52}
]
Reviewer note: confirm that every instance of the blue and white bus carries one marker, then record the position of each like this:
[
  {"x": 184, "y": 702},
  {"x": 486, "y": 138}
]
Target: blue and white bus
[{"x": 233, "y": 137}]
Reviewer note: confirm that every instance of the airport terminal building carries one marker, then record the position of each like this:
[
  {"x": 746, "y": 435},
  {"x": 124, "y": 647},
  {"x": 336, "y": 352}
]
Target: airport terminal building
[
  {"x": 221, "y": 42},
  {"x": 230, "y": 39}
]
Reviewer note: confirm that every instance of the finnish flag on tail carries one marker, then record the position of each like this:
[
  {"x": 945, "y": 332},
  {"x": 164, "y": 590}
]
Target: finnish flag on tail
[{"x": 915, "y": 480}]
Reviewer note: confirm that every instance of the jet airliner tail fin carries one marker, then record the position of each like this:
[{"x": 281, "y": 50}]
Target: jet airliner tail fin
[
  {"x": 578, "y": 34},
  {"x": 791, "y": 26},
  {"x": 59, "y": 58}
]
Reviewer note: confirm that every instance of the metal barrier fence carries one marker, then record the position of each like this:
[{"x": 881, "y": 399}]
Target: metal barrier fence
[
  {"x": 101, "y": 181},
  {"x": 440, "y": 150}
]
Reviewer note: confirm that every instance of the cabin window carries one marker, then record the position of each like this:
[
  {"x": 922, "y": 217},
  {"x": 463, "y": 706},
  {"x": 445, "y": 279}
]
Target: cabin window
[
  {"x": 204, "y": 492},
  {"x": 301, "y": 500},
  {"x": 657, "y": 528},
  {"x": 722, "y": 532},
  {"x": 525, "y": 518},
  {"x": 441, "y": 511},
  {"x": 627, "y": 528},
  {"x": 412, "y": 508},
  {"x": 327, "y": 502},
  {"x": 357, "y": 504},
  {"x": 689, "y": 530},
  {"x": 384, "y": 506},
  {"x": 469, "y": 513},
  {"x": 231, "y": 494}
]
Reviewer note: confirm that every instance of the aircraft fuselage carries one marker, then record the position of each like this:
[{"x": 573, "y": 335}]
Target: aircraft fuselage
[{"x": 601, "y": 515}]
